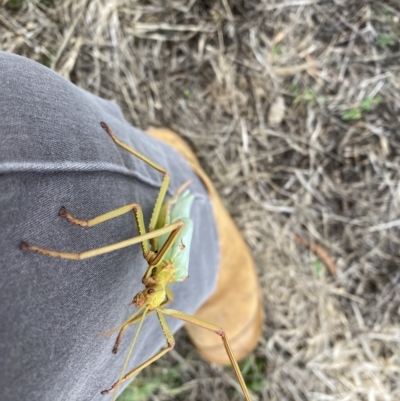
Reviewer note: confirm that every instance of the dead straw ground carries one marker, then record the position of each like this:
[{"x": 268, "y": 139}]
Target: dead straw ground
[{"x": 293, "y": 109}]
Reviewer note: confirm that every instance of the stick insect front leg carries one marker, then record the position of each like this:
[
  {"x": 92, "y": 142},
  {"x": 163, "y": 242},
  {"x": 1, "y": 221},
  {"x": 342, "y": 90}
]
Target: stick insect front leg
[
  {"x": 164, "y": 183},
  {"x": 135, "y": 318},
  {"x": 170, "y": 344}
]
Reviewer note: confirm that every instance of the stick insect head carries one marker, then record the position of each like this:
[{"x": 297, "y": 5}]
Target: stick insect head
[{"x": 151, "y": 297}]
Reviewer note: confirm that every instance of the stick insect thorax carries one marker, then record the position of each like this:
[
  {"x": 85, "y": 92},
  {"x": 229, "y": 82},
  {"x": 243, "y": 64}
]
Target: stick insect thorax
[{"x": 156, "y": 291}]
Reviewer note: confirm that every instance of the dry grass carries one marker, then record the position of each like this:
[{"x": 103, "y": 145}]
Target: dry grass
[{"x": 292, "y": 107}]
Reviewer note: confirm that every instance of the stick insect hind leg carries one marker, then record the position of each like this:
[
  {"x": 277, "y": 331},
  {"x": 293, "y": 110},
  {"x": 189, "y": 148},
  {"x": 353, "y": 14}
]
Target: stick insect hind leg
[
  {"x": 175, "y": 226},
  {"x": 217, "y": 330}
]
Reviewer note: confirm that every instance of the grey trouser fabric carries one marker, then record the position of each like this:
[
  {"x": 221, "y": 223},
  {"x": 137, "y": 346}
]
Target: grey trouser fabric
[{"x": 54, "y": 153}]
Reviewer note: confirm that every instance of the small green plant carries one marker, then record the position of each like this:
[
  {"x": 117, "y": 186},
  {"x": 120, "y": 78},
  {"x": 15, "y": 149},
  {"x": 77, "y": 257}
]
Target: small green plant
[
  {"x": 385, "y": 40},
  {"x": 277, "y": 50},
  {"x": 14, "y": 4},
  {"x": 366, "y": 105},
  {"x": 385, "y": 11},
  {"x": 318, "y": 268},
  {"x": 47, "y": 3},
  {"x": 353, "y": 114},
  {"x": 307, "y": 96},
  {"x": 369, "y": 103},
  {"x": 142, "y": 388},
  {"x": 294, "y": 89},
  {"x": 253, "y": 369},
  {"x": 45, "y": 60},
  {"x": 187, "y": 94},
  {"x": 139, "y": 391}
]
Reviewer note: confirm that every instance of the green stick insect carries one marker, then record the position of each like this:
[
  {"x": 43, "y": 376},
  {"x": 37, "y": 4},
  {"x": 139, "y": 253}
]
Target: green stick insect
[{"x": 165, "y": 246}]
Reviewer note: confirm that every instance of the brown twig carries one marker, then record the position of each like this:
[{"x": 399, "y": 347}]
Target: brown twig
[{"x": 320, "y": 252}]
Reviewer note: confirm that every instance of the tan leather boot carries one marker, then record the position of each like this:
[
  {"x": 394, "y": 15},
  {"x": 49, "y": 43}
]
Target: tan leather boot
[{"x": 236, "y": 304}]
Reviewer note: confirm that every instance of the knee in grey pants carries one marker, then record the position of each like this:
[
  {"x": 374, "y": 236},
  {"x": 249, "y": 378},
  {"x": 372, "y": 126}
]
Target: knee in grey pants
[{"x": 54, "y": 153}]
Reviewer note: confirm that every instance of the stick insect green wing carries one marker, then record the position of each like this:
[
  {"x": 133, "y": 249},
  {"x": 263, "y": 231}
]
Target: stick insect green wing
[
  {"x": 178, "y": 254},
  {"x": 166, "y": 247}
]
